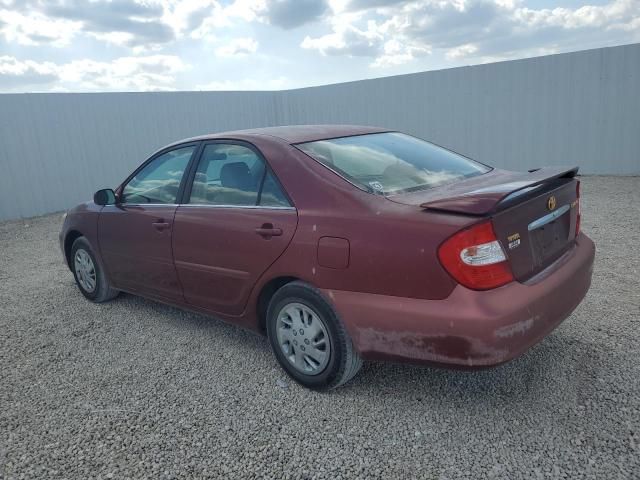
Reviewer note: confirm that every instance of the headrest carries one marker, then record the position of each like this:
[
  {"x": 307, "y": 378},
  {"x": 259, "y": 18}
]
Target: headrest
[{"x": 235, "y": 175}]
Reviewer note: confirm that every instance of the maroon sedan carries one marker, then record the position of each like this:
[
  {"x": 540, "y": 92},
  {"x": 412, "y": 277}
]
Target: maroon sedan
[{"x": 342, "y": 244}]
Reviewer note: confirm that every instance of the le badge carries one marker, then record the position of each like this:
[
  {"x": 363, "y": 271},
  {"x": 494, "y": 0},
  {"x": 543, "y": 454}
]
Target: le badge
[{"x": 514, "y": 241}]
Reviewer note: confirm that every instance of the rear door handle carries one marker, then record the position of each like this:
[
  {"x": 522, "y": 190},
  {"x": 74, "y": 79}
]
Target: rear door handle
[
  {"x": 160, "y": 225},
  {"x": 267, "y": 231}
]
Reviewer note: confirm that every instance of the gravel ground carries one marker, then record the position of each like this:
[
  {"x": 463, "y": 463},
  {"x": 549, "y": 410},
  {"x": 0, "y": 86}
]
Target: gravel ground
[{"x": 133, "y": 389}]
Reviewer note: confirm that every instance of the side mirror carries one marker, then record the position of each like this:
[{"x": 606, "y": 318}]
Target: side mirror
[{"x": 106, "y": 196}]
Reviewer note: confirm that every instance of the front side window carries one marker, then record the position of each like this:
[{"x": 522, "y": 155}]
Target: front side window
[
  {"x": 159, "y": 180},
  {"x": 390, "y": 163},
  {"x": 234, "y": 175}
]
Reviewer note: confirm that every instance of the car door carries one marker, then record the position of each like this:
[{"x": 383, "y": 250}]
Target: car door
[
  {"x": 235, "y": 222},
  {"x": 135, "y": 234}
]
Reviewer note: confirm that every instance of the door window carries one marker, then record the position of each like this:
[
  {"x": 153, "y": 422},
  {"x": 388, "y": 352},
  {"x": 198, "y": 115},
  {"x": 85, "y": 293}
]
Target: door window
[
  {"x": 159, "y": 180},
  {"x": 234, "y": 175}
]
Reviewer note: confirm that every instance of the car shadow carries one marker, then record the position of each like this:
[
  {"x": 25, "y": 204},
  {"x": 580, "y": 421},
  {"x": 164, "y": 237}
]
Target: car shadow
[
  {"x": 182, "y": 318},
  {"x": 545, "y": 366},
  {"x": 551, "y": 365}
]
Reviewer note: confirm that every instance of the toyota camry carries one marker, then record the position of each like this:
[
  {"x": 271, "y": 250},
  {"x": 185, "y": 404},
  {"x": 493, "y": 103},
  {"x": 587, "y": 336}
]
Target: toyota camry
[{"x": 342, "y": 244}]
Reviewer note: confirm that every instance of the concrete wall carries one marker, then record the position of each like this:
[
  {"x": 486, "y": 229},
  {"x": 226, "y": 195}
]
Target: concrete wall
[{"x": 578, "y": 108}]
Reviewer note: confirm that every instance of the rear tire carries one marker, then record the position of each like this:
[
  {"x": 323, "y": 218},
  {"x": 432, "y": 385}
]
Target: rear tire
[
  {"x": 308, "y": 339},
  {"x": 89, "y": 274}
]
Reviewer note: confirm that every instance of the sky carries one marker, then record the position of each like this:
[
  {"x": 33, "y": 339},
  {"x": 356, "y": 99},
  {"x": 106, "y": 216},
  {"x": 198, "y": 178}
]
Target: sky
[{"x": 157, "y": 45}]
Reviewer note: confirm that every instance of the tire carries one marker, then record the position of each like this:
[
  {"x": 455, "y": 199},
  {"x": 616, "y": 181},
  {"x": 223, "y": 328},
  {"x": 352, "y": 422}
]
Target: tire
[
  {"x": 102, "y": 290},
  {"x": 322, "y": 372}
]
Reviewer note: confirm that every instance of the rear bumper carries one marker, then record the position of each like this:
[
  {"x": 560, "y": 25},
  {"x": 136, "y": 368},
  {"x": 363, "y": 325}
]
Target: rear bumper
[{"x": 469, "y": 328}]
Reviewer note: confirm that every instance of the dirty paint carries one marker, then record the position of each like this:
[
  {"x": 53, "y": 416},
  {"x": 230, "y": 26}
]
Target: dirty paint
[
  {"x": 517, "y": 328},
  {"x": 441, "y": 349}
]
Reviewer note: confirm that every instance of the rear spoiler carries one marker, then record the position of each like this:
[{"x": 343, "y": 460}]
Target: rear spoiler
[{"x": 501, "y": 194}]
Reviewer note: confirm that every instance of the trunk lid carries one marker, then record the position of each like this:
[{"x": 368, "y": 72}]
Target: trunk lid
[
  {"x": 534, "y": 214},
  {"x": 537, "y": 230}
]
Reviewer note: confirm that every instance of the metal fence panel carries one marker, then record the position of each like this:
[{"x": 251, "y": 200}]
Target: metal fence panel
[{"x": 577, "y": 108}]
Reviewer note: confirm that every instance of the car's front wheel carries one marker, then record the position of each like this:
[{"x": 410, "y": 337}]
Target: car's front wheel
[
  {"x": 308, "y": 338},
  {"x": 90, "y": 277}
]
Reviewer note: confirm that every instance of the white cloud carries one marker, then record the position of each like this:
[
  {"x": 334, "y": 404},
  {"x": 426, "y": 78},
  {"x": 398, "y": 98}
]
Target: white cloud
[
  {"x": 612, "y": 15},
  {"x": 348, "y": 40},
  {"x": 238, "y": 47},
  {"x": 34, "y": 28},
  {"x": 247, "y": 10},
  {"x": 186, "y": 15},
  {"x": 398, "y": 52},
  {"x": 217, "y": 17},
  {"x": 199, "y": 19},
  {"x": 137, "y": 44},
  {"x": 11, "y": 66},
  {"x": 400, "y": 31},
  {"x": 286, "y": 14},
  {"x": 154, "y": 72},
  {"x": 144, "y": 73},
  {"x": 462, "y": 51},
  {"x": 139, "y": 22},
  {"x": 245, "y": 84}
]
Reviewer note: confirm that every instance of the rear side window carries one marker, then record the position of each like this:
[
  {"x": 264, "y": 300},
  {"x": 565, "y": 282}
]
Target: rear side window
[
  {"x": 271, "y": 195},
  {"x": 234, "y": 175},
  {"x": 389, "y": 163},
  {"x": 159, "y": 180}
]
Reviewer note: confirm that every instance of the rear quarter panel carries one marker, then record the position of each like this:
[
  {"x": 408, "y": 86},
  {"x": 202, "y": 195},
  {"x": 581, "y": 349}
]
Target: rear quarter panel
[{"x": 393, "y": 247}]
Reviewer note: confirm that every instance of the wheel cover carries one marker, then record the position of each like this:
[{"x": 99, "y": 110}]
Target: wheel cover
[
  {"x": 303, "y": 338},
  {"x": 85, "y": 270}
]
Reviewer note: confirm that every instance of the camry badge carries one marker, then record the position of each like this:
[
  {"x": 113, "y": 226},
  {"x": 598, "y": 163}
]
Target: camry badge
[{"x": 551, "y": 202}]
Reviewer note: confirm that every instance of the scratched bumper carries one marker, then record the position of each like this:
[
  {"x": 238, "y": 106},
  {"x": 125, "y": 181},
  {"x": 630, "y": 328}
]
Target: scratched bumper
[{"x": 469, "y": 328}]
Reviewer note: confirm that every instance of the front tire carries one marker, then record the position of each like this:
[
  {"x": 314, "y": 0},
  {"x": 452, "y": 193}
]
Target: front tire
[
  {"x": 308, "y": 339},
  {"x": 88, "y": 273}
]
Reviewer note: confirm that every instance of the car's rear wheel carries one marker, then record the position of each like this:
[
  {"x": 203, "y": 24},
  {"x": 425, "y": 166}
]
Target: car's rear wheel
[
  {"x": 308, "y": 338},
  {"x": 89, "y": 275}
]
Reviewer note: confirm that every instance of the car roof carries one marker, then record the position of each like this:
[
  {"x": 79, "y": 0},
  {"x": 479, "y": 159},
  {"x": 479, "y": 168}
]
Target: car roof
[{"x": 293, "y": 133}]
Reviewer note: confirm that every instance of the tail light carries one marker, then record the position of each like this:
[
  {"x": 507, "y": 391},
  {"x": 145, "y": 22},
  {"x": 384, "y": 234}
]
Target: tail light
[
  {"x": 579, "y": 210},
  {"x": 475, "y": 258}
]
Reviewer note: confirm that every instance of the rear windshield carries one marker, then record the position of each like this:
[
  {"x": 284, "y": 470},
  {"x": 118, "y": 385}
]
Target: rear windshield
[{"x": 390, "y": 163}]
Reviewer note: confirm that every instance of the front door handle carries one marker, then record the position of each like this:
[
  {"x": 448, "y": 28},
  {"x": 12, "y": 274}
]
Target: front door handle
[
  {"x": 160, "y": 225},
  {"x": 267, "y": 231}
]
